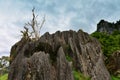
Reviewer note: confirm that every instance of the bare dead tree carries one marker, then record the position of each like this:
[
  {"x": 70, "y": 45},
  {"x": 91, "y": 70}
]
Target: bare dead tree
[{"x": 34, "y": 25}]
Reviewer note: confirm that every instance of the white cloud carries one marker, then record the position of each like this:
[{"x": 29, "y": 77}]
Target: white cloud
[
  {"x": 58, "y": 22},
  {"x": 8, "y": 36}
]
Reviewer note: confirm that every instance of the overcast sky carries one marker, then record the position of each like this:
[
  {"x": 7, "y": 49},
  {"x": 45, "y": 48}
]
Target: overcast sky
[{"x": 60, "y": 15}]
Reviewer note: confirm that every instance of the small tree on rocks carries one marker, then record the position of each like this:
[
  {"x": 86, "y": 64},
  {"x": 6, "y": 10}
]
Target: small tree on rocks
[{"x": 35, "y": 27}]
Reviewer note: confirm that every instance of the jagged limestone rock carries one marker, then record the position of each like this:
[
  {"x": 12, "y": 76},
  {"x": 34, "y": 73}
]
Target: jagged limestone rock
[
  {"x": 84, "y": 51},
  {"x": 64, "y": 68}
]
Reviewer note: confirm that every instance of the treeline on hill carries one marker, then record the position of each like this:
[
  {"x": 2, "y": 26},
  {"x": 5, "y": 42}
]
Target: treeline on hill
[{"x": 109, "y": 42}]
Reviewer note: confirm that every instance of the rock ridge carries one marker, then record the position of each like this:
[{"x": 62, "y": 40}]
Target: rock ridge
[
  {"x": 108, "y": 27},
  {"x": 56, "y": 56}
]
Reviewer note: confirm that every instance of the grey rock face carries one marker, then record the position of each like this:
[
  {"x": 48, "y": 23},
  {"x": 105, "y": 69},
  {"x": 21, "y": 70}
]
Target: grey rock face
[
  {"x": 54, "y": 56},
  {"x": 107, "y": 27},
  {"x": 39, "y": 67},
  {"x": 64, "y": 68},
  {"x": 114, "y": 63}
]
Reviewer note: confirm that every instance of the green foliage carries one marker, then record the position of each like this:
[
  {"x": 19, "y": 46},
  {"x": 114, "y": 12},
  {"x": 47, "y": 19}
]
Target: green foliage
[
  {"x": 116, "y": 33},
  {"x": 4, "y": 77},
  {"x": 68, "y": 52},
  {"x": 115, "y": 78},
  {"x": 68, "y": 58},
  {"x": 110, "y": 43},
  {"x": 79, "y": 76}
]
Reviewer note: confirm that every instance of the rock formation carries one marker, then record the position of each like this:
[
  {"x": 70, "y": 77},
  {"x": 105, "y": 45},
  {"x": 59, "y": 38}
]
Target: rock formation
[
  {"x": 55, "y": 56},
  {"x": 114, "y": 63},
  {"x": 107, "y": 27}
]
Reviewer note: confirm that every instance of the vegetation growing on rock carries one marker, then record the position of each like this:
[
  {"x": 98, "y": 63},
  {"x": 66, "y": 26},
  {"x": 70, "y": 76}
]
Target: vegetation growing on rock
[
  {"x": 4, "y": 77},
  {"x": 110, "y": 43},
  {"x": 79, "y": 76}
]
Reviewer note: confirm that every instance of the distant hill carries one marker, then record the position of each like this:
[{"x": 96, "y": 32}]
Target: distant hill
[{"x": 108, "y": 27}]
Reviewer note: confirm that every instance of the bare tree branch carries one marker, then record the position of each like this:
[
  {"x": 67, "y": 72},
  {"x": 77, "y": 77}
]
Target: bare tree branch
[{"x": 34, "y": 25}]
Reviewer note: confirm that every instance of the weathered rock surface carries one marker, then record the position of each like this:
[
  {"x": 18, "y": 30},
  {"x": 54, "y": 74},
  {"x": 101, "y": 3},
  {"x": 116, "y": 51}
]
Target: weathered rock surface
[
  {"x": 114, "y": 63},
  {"x": 107, "y": 27},
  {"x": 46, "y": 59}
]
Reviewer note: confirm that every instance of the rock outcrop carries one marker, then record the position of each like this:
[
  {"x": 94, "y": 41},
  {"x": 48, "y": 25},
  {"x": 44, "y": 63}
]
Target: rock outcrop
[
  {"x": 114, "y": 63},
  {"x": 55, "y": 56},
  {"x": 107, "y": 27}
]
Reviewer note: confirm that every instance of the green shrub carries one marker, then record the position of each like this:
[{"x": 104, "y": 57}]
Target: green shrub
[
  {"x": 68, "y": 58},
  {"x": 115, "y": 78},
  {"x": 110, "y": 43},
  {"x": 4, "y": 77},
  {"x": 79, "y": 76}
]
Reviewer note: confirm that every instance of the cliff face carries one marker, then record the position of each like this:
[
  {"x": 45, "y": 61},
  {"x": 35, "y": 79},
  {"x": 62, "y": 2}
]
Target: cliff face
[
  {"x": 55, "y": 56},
  {"x": 114, "y": 63},
  {"x": 107, "y": 27}
]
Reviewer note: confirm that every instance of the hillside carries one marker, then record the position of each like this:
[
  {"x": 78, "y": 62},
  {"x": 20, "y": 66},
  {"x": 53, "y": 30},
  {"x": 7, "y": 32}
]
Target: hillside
[{"x": 109, "y": 37}]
